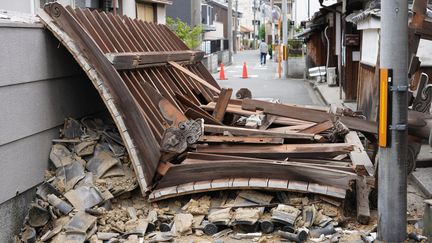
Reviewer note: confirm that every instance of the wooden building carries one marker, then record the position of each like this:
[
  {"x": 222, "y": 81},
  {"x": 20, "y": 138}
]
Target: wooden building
[{"x": 368, "y": 22}]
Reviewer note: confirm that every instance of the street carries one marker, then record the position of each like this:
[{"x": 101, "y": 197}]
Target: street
[{"x": 263, "y": 81}]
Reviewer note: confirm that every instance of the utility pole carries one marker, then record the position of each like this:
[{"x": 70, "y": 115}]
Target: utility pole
[
  {"x": 272, "y": 26},
  {"x": 254, "y": 24},
  {"x": 392, "y": 171},
  {"x": 196, "y": 15},
  {"x": 230, "y": 31},
  {"x": 236, "y": 27},
  {"x": 285, "y": 36}
]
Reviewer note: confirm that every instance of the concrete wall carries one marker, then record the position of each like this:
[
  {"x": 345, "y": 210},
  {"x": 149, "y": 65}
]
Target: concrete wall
[
  {"x": 24, "y": 6},
  {"x": 161, "y": 13},
  {"x": 210, "y": 61},
  {"x": 40, "y": 85},
  {"x": 296, "y": 67}
]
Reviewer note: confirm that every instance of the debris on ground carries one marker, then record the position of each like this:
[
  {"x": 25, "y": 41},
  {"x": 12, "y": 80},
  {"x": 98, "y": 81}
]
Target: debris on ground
[{"x": 92, "y": 197}]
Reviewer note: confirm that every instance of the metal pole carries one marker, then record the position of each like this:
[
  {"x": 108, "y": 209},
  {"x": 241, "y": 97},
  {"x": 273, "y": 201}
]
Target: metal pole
[
  {"x": 285, "y": 35},
  {"x": 273, "y": 30},
  {"x": 230, "y": 31},
  {"x": 392, "y": 175},
  {"x": 254, "y": 24},
  {"x": 236, "y": 27},
  {"x": 196, "y": 16},
  {"x": 308, "y": 9}
]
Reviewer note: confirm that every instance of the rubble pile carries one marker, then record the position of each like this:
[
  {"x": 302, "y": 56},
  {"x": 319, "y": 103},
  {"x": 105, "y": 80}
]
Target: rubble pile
[
  {"x": 90, "y": 169},
  {"x": 87, "y": 195}
]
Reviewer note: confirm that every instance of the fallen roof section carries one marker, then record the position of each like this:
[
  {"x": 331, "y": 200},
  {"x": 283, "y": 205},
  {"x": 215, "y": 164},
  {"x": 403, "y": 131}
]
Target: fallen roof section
[{"x": 141, "y": 100}]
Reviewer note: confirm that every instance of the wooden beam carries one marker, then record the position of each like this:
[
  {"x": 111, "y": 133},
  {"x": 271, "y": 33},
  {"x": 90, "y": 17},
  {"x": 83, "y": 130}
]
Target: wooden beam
[
  {"x": 235, "y": 109},
  {"x": 329, "y": 164},
  {"x": 133, "y": 60},
  {"x": 194, "y": 76},
  {"x": 195, "y": 112},
  {"x": 268, "y": 120},
  {"x": 192, "y": 113},
  {"x": 252, "y": 140},
  {"x": 307, "y": 114},
  {"x": 362, "y": 199},
  {"x": 278, "y": 151},
  {"x": 318, "y": 128},
  {"x": 222, "y": 104},
  {"x": 360, "y": 159},
  {"x": 296, "y": 128},
  {"x": 239, "y": 131}
]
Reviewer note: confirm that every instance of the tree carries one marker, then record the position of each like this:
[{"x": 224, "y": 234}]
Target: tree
[
  {"x": 261, "y": 32},
  {"x": 190, "y": 36}
]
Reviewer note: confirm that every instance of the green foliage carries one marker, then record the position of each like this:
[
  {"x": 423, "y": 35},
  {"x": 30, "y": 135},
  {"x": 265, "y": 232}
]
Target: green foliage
[
  {"x": 298, "y": 29},
  {"x": 295, "y": 44},
  {"x": 190, "y": 36},
  {"x": 261, "y": 33}
]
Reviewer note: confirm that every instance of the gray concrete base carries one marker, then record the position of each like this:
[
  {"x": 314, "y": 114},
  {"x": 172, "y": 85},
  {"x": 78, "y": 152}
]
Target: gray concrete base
[
  {"x": 12, "y": 214},
  {"x": 423, "y": 179}
]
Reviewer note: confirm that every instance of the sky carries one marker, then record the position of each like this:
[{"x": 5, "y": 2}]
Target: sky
[{"x": 302, "y": 8}]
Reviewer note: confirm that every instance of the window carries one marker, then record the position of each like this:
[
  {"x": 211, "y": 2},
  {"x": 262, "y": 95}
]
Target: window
[{"x": 145, "y": 11}]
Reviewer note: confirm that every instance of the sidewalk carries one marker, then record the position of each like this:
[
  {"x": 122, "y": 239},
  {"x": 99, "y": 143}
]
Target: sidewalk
[{"x": 331, "y": 95}]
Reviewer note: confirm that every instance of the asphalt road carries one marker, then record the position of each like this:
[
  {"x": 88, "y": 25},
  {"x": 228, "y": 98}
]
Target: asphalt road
[{"x": 263, "y": 81}]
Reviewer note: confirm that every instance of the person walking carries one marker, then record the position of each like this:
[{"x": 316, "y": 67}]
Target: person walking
[{"x": 263, "y": 48}]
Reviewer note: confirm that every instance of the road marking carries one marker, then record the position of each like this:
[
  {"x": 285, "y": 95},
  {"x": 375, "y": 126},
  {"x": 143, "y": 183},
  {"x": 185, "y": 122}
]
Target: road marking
[{"x": 250, "y": 76}]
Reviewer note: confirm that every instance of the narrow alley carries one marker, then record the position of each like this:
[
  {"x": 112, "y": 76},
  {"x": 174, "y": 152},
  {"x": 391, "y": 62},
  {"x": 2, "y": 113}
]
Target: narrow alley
[{"x": 263, "y": 81}]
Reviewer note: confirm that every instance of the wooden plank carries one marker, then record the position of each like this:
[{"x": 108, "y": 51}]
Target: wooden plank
[
  {"x": 197, "y": 114},
  {"x": 237, "y": 102},
  {"x": 318, "y": 128},
  {"x": 329, "y": 164},
  {"x": 222, "y": 104},
  {"x": 255, "y": 132},
  {"x": 268, "y": 121},
  {"x": 362, "y": 199},
  {"x": 295, "y": 128},
  {"x": 278, "y": 151},
  {"x": 235, "y": 109},
  {"x": 253, "y": 140},
  {"x": 360, "y": 159},
  {"x": 194, "y": 76},
  {"x": 306, "y": 114},
  {"x": 133, "y": 60}
]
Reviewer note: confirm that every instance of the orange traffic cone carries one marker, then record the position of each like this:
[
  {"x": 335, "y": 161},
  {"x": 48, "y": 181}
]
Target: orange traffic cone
[
  {"x": 244, "y": 75},
  {"x": 222, "y": 72}
]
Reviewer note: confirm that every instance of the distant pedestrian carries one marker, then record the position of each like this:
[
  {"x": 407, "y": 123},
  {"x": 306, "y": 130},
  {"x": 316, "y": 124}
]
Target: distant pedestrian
[{"x": 263, "y": 48}]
